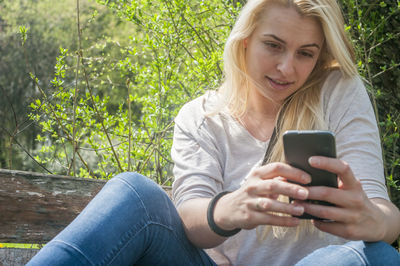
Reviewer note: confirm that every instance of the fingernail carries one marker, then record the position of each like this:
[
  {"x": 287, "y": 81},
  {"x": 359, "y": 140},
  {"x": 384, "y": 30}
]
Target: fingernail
[
  {"x": 314, "y": 161},
  {"x": 302, "y": 193},
  {"x": 306, "y": 178}
]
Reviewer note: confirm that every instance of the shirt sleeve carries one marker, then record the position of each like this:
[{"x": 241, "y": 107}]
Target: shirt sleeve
[
  {"x": 197, "y": 170},
  {"x": 349, "y": 113}
]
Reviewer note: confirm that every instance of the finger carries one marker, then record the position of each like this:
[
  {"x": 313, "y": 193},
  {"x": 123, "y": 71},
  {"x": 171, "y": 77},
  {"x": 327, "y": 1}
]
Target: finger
[
  {"x": 328, "y": 194},
  {"x": 274, "y": 187},
  {"x": 269, "y": 205},
  {"x": 339, "y": 167},
  {"x": 338, "y": 229},
  {"x": 253, "y": 219},
  {"x": 344, "y": 198},
  {"x": 331, "y": 213},
  {"x": 277, "y": 220},
  {"x": 273, "y": 170},
  {"x": 273, "y": 196}
]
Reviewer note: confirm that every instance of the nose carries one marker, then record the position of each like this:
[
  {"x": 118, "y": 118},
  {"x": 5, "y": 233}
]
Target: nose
[{"x": 286, "y": 64}]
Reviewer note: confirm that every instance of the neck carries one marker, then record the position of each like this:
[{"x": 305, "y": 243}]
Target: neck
[
  {"x": 261, "y": 107},
  {"x": 260, "y": 116}
]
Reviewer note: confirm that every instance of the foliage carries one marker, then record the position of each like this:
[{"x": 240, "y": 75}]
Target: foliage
[
  {"x": 375, "y": 28},
  {"x": 30, "y": 35},
  {"x": 111, "y": 104},
  {"x": 15, "y": 85},
  {"x": 174, "y": 55}
]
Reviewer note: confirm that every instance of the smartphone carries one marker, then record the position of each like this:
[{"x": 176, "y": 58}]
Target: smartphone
[{"x": 299, "y": 146}]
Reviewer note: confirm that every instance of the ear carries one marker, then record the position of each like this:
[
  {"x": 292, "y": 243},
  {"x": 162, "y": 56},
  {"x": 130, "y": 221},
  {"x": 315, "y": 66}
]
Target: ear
[{"x": 245, "y": 43}]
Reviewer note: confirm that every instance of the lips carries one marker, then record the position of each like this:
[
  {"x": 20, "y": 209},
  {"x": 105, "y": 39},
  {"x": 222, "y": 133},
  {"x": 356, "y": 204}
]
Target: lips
[{"x": 279, "y": 84}]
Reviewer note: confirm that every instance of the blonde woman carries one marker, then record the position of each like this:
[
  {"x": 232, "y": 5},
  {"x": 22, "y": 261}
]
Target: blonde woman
[{"x": 231, "y": 208}]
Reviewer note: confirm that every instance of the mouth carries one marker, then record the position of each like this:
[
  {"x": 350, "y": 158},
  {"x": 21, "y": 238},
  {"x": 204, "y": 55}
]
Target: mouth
[{"x": 279, "y": 84}]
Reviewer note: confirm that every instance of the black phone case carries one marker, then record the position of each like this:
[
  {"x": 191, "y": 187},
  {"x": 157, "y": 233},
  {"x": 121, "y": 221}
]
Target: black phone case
[{"x": 301, "y": 145}]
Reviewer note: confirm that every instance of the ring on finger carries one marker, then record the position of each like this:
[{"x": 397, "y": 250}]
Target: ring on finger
[{"x": 258, "y": 206}]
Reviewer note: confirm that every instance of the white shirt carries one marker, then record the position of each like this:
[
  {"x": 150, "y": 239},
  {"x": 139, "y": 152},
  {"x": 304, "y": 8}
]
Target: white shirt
[{"x": 215, "y": 153}]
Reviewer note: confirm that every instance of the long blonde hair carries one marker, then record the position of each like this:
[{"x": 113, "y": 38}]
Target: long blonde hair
[{"x": 302, "y": 109}]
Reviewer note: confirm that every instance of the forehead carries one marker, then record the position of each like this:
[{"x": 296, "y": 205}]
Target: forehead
[{"x": 287, "y": 23}]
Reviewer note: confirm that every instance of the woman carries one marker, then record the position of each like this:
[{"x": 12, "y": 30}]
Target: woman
[{"x": 288, "y": 59}]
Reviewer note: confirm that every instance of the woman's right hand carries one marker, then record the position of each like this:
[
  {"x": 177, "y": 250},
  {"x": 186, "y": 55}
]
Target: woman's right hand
[{"x": 255, "y": 202}]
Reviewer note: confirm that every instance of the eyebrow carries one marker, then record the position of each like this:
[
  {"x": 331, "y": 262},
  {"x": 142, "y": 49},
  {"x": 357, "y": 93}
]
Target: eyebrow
[{"x": 282, "y": 41}]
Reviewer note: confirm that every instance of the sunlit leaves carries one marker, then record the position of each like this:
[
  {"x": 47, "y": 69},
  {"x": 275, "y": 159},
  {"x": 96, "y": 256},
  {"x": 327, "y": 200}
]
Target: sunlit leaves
[
  {"x": 24, "y": 32},
  {"x": 172, "y": 55},
  {"x": 375, "y": 29}
]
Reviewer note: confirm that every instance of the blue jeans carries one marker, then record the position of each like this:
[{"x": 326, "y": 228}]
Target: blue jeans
[
  {"x": 133, "y": 222},
  {"x": 354, "y": 253}
]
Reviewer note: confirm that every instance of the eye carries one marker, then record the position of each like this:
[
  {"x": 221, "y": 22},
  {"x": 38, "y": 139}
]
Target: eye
[
  {"x": 306, "y": 54},
  {"x": 273, "y": 45}
]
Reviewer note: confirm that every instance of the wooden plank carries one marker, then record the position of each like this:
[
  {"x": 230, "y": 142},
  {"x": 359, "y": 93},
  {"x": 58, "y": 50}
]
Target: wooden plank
[
  {"x": 16, "y": 256},
  {"x": 35, "y": 207}
]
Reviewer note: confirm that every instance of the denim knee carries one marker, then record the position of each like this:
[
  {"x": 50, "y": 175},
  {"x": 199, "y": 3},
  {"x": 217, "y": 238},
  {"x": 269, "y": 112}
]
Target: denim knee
[
  {"x": 134, "y": 179},
  {"x": 155, "y": 200},
  {"x": 143, "y": 185},
  {"x": 376, "y": 253},
  {"x": 353, "y": 253}
]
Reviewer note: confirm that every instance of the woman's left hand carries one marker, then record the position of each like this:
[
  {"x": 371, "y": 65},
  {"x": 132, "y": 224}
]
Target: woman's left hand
[{"x": 354, "y": 216}]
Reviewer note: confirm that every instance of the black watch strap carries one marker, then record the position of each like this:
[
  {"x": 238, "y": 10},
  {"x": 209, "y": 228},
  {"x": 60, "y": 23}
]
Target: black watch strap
[{"x": 210, "y": 218}]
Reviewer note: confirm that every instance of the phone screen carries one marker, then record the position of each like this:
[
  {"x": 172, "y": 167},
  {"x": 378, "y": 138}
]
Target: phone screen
[{"x": 299, "y": 146}]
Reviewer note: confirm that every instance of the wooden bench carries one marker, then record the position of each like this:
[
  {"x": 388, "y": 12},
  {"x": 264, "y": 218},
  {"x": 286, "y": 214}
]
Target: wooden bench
[{"x": 36, "y": 207}]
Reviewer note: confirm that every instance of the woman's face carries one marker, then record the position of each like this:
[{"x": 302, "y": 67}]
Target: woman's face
[{"x": 282, "y": 52}]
